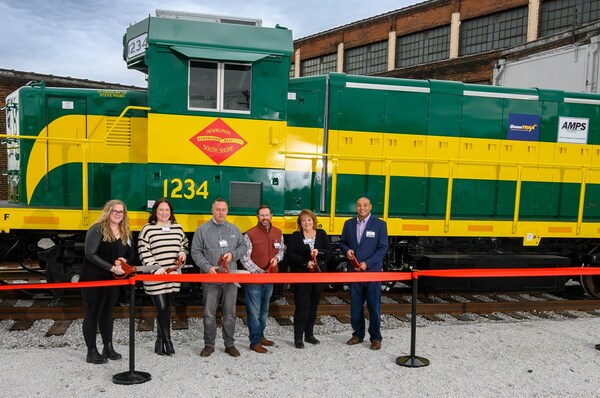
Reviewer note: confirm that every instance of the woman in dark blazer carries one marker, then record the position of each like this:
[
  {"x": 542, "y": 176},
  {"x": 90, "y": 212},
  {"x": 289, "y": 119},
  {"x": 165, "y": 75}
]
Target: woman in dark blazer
[{"x": 304, "y": 244}]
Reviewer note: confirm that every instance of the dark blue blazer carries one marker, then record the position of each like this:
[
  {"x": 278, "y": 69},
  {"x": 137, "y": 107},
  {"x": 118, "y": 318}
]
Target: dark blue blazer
[{"x": 372, "y": 249}]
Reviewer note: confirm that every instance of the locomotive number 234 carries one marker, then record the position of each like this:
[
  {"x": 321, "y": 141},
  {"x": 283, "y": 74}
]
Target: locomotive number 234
[{"x": 188, "y": 188}]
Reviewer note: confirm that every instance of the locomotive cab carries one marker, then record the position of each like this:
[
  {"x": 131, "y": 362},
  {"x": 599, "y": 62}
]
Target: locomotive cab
[{"x": 217, "y": 93}]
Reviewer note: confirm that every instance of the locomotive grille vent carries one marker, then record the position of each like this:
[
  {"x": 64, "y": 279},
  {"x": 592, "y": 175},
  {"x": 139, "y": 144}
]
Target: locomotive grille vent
[
  {"x": 245, "y": 194},
  {"x": 120, "y": 135}
]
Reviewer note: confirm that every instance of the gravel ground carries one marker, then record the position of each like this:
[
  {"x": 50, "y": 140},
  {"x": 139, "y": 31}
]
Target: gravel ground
[{"x": 482, "y": 358}]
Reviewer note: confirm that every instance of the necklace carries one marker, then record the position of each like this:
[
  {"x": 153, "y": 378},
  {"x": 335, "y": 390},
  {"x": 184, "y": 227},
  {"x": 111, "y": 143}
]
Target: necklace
[
  {"x": 115, "y": 230},
  {"x": 310, "y": 235}
]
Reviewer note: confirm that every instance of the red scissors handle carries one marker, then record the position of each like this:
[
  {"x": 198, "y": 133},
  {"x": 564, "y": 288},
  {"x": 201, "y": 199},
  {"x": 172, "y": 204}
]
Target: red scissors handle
[
  {"x": 314, "y": 260},
  {"x": 223, "y": 265},
  {"x": 175, "y": 267},
  {"x": 355, "y": 264},
  {"x": 130, "y": 270}
]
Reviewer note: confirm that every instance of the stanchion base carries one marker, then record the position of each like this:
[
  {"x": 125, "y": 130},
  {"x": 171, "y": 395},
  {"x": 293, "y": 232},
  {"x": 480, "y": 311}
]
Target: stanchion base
[
  {"x": 132, "y": 377},
  {"x": 412, "y": 362}
]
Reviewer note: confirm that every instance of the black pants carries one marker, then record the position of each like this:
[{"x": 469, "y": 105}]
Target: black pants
[
  {"x": 99, "y": 303},
  {"x": 163, "y": 304},
  {"x": 306, "y": 300}
]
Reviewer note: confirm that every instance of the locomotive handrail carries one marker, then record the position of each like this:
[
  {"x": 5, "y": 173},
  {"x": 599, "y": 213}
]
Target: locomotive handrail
[
  {"x": 84, "y": 161},
  {"x": 84, "y": 142},
  {"x": 584, "y": 178},
  {"x": 435, "y": 160},
  {"x": 333, "y": 195},
  {"x": 77, "y": 140},
  {"x": 452, "y": 163},
  {"x": 449, "y": 197},
  {"x": 517, "y": 198}
]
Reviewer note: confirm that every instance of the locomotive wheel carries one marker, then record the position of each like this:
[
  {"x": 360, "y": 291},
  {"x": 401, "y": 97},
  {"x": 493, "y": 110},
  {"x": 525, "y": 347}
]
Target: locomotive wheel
[{"x": 591, "y": 284}]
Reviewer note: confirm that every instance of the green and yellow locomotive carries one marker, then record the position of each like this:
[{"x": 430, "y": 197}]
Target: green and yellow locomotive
[{"x": 464, "y": 175}]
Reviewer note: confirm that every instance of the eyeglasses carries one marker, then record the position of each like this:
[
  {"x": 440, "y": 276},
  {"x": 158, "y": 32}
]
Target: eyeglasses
[{"x": 117, "y": 212}]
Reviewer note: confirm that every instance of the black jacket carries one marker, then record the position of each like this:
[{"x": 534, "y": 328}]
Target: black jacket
[
  {"x": 100, "y": 255},
  {"x": 298, "y": 253}
]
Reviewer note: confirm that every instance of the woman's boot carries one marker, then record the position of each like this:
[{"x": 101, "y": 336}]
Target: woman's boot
[
  {"x": 159, "y": 346},
  {"x": 169, "y": 349},
  {"x": 164, "y": 329},
  {"x": 110, "y": 353},
  {"x": 162, "y": 302},
  {"x": 168, "y": 343},
  {"x": 298, "y": 340},
  {"x": 93, "y": 356}
]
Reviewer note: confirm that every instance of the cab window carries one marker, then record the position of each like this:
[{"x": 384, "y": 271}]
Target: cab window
[{"x": 220, "y": 86}]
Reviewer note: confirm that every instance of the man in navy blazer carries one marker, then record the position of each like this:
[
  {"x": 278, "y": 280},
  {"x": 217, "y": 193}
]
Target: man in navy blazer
[{"x": 365, "y": 238}]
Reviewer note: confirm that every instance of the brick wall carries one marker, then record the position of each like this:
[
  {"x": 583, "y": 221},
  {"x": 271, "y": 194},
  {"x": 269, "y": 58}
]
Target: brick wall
[
  {"x": 412, "y": 21},
  {"x": 476, "y": 8},
  {"x": 416, "y": 18},
  {"x": 11, "y": 80}
]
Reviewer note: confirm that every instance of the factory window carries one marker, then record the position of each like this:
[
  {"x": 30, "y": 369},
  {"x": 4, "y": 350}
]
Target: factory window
[
  {"x": 559, "y": 15},
  {"x": 366, "y": 60},
  {"x": 493, "y": 32},
  {"x": 423, "y": 47},
  {"x": 291, "y": 72},
  {"x": 219, "y": 86},
  {"x": 319, "y": 66}
]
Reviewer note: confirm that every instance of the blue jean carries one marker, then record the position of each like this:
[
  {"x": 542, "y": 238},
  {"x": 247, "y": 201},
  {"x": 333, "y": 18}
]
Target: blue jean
[
  {"x": 371, "y": 293},
  {"x": 257, "y": 310}
]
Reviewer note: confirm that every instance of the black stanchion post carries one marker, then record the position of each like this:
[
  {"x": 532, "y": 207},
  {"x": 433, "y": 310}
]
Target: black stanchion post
[
  {"x": 413, "y": 361},
  {"x": 132, "y": 376}
]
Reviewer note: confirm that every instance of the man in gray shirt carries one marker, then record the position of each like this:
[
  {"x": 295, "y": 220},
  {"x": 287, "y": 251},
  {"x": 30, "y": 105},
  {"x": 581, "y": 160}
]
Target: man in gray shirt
[{"x": 213, "y": 240}]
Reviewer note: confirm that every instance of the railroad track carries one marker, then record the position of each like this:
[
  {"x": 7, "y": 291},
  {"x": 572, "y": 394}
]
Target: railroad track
[
  {"x": 26, "y": 309},
  {"x": 465, "y": 307},
  {"x": 393, "y": 304}
]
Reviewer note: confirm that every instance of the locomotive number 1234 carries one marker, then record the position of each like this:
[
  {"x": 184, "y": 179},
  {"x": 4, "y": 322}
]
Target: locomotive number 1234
[{"x": 188, "y": 188}]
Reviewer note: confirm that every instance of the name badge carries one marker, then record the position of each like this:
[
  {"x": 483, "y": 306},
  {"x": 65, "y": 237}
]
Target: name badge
[
  {"x": 276, "y": 245},
  {"x": 223, "y": 243},
  {"x": 306, "y": 241},
  {"x": 166, "y": 229},
  {"x": 370, "y": 234}
]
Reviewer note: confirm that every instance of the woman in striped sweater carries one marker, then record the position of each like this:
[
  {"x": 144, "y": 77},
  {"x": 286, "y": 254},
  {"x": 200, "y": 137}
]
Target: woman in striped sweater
[{"x": 161, "y": 244}]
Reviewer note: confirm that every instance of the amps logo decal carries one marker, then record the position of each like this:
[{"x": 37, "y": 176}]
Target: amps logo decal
[
  {"x": 573, "y": 130},
  {"x": 218, "y": 141}
]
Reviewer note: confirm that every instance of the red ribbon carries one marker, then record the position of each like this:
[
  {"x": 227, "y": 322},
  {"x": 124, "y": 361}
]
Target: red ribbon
[{"x": 325, "y": 277}]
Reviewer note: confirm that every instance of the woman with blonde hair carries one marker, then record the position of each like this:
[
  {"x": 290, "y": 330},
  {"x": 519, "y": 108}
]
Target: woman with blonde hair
[
  {"x": 106, "y": 241},
  {"x": 306, "y": 245}
]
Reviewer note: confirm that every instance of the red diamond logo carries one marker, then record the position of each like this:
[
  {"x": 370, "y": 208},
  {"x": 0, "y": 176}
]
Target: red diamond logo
[{"x": 218, "y": 141}]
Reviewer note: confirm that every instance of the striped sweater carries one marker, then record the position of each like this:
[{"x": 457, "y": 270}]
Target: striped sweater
[{"x": 159, "y": 246}]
